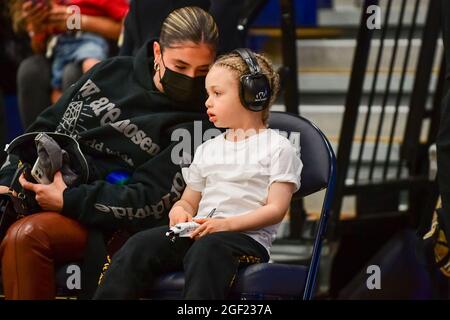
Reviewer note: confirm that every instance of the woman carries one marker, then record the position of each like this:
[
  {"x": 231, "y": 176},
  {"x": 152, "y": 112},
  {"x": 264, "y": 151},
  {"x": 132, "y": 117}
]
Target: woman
[{"x": 121, "y": 112}]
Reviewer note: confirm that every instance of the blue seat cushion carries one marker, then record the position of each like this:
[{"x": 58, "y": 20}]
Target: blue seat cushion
[{"x": 258, "y": 281}]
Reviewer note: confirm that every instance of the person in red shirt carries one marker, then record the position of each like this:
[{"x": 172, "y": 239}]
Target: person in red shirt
[
  {"x": 115, "y": 9},
  {"x": 70, "y": 31}
]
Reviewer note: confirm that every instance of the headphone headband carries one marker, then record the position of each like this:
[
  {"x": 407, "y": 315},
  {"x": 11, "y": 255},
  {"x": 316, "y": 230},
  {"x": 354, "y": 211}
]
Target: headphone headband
[{"x": 249, "y": 59}]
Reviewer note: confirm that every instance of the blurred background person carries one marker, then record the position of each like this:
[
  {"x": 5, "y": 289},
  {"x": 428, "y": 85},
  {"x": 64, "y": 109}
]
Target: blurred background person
[{"x": 68, "y": 37}]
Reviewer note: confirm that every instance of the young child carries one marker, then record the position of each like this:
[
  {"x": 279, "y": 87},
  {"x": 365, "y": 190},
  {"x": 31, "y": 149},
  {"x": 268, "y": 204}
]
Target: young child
[{"x": 245, "y": 177}]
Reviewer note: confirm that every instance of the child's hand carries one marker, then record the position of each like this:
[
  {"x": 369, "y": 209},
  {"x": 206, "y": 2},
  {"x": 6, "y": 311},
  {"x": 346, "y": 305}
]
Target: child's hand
[
  {"x": 178, "y": 215},
  {"x": 208, "y": 225}
]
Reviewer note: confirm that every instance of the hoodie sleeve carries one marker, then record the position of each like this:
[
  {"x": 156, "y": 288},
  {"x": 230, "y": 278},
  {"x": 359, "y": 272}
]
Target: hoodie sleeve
[
  {"x": 143, "y": 203},
  {"x": 47, "y": 121}
]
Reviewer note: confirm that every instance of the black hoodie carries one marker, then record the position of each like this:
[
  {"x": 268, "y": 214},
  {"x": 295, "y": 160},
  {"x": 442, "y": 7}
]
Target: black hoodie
[{"x": 122, "y": 122}]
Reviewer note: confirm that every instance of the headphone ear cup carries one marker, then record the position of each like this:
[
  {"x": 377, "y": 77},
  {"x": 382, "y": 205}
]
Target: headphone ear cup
[{"x": 255, "y": 92}]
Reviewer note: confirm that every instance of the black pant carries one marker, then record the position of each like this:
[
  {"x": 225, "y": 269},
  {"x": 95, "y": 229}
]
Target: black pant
[{"x": 209, "y": 263}]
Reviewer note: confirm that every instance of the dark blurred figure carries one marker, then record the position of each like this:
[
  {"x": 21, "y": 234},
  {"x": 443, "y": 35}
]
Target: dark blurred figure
[
  {"x": 227, "y": 14},
  {"x": 61, "y": 55},
  {"x": 145, "y": 18},
  {"x": 13, "y": 49},
  {"x": 443, "y": 139}
]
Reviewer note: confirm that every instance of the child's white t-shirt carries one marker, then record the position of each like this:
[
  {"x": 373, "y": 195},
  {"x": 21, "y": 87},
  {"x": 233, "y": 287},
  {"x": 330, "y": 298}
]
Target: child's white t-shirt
[{"x": 234, "y": 177}]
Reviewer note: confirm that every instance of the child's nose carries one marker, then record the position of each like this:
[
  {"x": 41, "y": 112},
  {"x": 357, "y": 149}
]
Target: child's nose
[{"x": 208, "y": 102}]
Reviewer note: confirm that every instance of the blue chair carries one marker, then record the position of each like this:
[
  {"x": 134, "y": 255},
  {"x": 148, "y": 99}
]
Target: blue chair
[{"x": 275, "y": 280}]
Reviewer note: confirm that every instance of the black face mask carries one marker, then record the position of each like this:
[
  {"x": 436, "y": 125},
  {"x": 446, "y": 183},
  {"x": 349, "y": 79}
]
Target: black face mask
[{"x": 182, "y": 88}]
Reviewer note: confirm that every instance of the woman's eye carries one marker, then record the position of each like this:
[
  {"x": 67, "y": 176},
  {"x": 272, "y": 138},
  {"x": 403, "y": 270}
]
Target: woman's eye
[
  {"x": 216, "y": 93},
  {"x": 180, "y": 67}
]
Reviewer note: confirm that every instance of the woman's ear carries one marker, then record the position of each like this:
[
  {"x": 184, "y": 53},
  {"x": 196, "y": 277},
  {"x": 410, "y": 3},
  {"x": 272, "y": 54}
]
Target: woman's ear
[{"x": 156, "y": 51}]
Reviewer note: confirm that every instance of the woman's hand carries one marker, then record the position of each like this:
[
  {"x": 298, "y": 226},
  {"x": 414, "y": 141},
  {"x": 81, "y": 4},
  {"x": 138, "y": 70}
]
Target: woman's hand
[
  {"x": 35, "y": 16},
  {"x": 50, "y": 196},
  {"x": 208, "y": 225},
  {"x": 178, "y": 215}
]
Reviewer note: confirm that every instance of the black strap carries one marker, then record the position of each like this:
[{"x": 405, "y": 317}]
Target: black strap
[
  {"x": 249, "y": 59},
  {"x": 94, "y": 259},
  {"x": 7, "y": 215}
]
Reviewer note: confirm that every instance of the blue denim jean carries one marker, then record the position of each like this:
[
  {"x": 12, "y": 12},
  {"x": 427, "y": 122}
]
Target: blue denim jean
[{"x": 76, "y": 48}]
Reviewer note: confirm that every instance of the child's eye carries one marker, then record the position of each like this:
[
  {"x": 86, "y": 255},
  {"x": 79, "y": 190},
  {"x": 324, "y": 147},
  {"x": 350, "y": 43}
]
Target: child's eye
[{"x": 216, "y": 93}]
